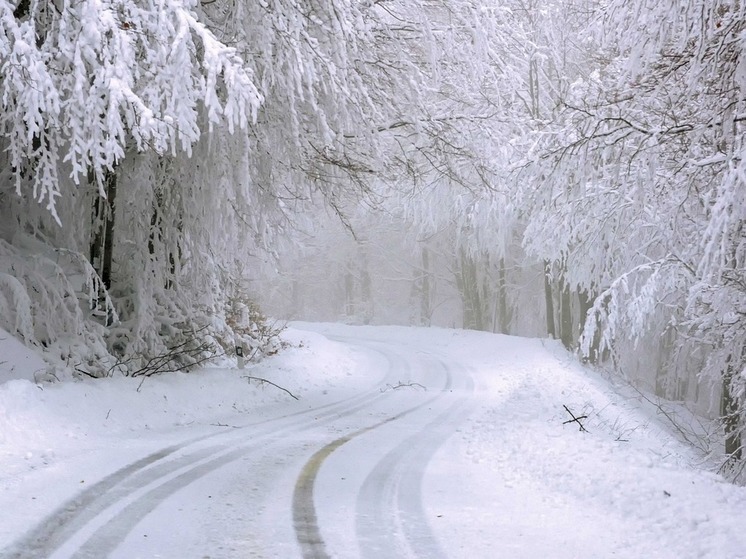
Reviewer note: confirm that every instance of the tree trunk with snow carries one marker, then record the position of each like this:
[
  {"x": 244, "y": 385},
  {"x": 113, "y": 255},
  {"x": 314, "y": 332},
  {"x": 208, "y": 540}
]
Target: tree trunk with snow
[
  {"x": 732, "y": 413},
  {"x": 549, "y": 300}
]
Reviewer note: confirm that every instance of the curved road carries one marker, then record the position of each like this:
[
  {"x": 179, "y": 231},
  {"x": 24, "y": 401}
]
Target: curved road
[{"x": 341, "y": 479}]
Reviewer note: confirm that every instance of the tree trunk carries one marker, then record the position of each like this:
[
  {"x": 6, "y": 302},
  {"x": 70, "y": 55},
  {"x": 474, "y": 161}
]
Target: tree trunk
[
  {"x": 349, "y": 308},
  {"x": 366, "y": 291},
  {"x": 732, "y": 403},
  {"x": 426, "y": 311},
  {"x": 566, "y": 325},
  {"x": 102, "y": 242},
  {"x": 108, "y": 248},
  {"x": 502, "y": 312},
  {"x": 730, "y": 409},
  {"x": 585, "y": 304},
  {"x": 548, "y": 299},
  {"x": 96, "y": 233},
  {"x": 468, "y": 286},
  {"x": 296, "y": 299}
]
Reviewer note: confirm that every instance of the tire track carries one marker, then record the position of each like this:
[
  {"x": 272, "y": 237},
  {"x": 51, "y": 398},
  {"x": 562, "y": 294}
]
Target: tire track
[
  {"x": 77, "y": 511},
  {"x": 74, "y": 528},
  {"x": 390, "y": 500},
  {"x": 145, "y": 499},
  {"x": 305, "y": 520}
]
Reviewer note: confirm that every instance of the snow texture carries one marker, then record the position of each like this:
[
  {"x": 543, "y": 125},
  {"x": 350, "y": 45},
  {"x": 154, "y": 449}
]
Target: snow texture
[{"x": 497, "y": 472}]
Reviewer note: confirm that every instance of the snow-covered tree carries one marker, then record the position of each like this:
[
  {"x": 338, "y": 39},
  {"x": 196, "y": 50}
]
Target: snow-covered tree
[
  {"x": 97, "y": 98},
  {"x": 641, "y": 189},
  {"x": 161, "y": 146},
  {"x": 85, "y": 82}
]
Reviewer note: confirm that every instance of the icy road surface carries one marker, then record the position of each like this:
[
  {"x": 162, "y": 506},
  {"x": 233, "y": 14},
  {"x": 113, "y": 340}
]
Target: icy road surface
[{"x": 404, "y": 443}]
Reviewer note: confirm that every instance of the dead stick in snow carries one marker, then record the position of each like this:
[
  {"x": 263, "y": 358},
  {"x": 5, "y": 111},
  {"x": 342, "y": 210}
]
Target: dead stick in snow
[
  {"x": 403, "y": 385},
  {"x": 575, "y": 419},
  {"x": 259, "y": 379}
]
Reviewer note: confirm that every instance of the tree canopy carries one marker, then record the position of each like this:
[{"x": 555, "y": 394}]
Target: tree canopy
[{"x": 572, "y": 168}]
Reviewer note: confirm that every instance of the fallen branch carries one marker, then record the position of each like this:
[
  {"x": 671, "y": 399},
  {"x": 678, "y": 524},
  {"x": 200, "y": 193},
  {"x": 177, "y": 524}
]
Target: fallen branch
[
  {"x": 403, "y": 385},
  {"x": 182, "y": 356},
  {"x": 575, "y": 419},
  {"x": 264, "y": 380},
  {"x": 84, "y": 372}
]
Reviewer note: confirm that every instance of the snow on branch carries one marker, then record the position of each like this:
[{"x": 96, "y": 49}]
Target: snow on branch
[
  {"x": 84, "y": 85},
  {"x": 15, "y": 307},
  {"x": 46, "y": 296},
  {"x": 622, "y": 309}
]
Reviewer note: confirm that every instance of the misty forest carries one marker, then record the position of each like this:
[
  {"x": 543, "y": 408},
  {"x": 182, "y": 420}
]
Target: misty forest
[{"x": 180, "y": 177}]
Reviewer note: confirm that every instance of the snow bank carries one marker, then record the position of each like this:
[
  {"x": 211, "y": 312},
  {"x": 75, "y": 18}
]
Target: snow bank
[
  {"x": 515, "y": 480},
  {"x": 17, "y": 361},
  {"x": 529, "y": 477},
  {"x": 45, "y": 423}
]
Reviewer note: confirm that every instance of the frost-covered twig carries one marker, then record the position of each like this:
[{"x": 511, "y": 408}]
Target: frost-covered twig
[
  {"x": 264, "y": 380},
  {"x": 401, "y": 384},
  {"x": 179, "y": 357},
  {"x": 689, "y": 437}
]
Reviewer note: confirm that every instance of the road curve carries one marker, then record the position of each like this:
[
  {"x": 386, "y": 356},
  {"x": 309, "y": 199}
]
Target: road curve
[
  {"x": 389, "y": 517},
  {"x": 282, "y": 471}
]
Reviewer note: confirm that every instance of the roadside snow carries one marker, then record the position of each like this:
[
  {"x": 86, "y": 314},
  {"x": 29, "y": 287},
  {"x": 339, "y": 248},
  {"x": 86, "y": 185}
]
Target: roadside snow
[
  {"x": 58, "y": 438},
  {"x": 512, "y": 481},
  {"x": 18, "y": 362},
  {"x": 518, "y": 482},
  {"x": 626, "y": 488}
]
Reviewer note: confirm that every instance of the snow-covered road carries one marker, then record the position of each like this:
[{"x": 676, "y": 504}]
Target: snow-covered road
[{"x": 405, "y": 443}]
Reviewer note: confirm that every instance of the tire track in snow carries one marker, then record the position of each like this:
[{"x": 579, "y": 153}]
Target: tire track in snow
[
  {"x": 76, "y": 525},
  {"x": 305, "y": 522},
  {"x": 416, "y": 531},
  {"x": 109, "y": 532},
  {"x": 78, "y": 510},
  {"x": 390, "y": 500}
]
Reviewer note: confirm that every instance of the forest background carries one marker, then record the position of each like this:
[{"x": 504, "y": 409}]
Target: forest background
[{"x": 572, "y": 168}]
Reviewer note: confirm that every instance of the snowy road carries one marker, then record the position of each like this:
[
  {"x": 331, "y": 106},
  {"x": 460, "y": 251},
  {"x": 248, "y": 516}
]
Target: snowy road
[
  {"x": 405, "y": 443},
  {"x": 381, "y": 439}
]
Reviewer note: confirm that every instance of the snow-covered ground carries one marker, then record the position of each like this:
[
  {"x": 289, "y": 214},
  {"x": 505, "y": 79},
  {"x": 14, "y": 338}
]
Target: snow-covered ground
[{"x": 403, "y": 442}]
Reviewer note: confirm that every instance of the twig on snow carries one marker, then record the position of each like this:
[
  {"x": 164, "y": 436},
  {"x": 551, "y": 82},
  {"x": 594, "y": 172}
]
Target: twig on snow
[
  {"x": 264, "y": 380},
  {"x": 401, "y": 384},
  {"x": 575, "y": 419}
]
